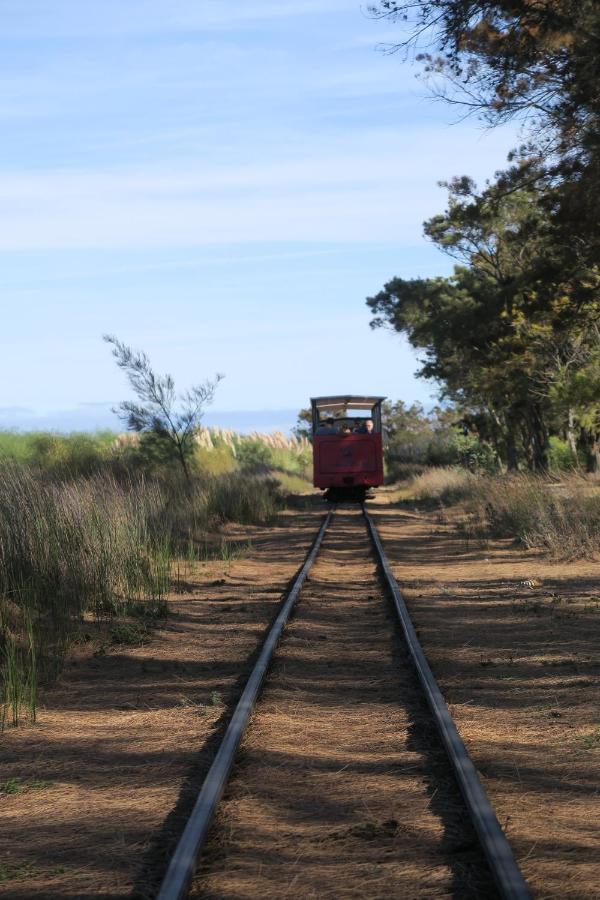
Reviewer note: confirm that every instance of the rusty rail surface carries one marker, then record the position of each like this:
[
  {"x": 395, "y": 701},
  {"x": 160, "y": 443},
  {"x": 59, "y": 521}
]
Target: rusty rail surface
[{"x": 504, "y": 868}]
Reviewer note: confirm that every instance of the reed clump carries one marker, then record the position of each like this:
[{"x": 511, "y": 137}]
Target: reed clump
[
  {"x": 100, "y": 544},
  {"x": 89, "y": 544}
]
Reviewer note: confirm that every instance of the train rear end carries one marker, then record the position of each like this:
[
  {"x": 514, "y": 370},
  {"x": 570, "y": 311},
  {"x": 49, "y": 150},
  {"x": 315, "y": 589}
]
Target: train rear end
[{"x": 347, "y": 456}]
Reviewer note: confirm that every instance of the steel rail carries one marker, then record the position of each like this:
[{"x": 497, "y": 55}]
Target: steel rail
[
  {"x": 505, "y": 870},
  {"x": 184, "y": 860}
]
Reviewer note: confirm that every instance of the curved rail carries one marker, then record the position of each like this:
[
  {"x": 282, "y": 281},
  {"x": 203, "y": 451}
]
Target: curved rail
[
  {"x": 183, "y": 862},
  {"x": 505, "y": 870}
]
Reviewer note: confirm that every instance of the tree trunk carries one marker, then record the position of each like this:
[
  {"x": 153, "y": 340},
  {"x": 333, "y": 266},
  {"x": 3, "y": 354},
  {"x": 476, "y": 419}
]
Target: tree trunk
[
  {"x": 595, "y": 454},
  {"x": 589, "y": 441},
  {"x": 526, "y": 442},
  {"x": 571, "y": 437},
  {"x": 539, "y": 439},
  {"x": 499, "y": 439},
  {"x": 182, "y": 460},
  {"x": 511, "y": 448}
]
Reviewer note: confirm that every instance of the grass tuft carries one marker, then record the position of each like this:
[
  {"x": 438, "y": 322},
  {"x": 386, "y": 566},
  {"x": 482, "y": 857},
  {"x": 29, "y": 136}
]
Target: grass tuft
[
  {"x": 19, "y": 786},
  {"x": 444, "y": 485},
  {"x": 27, "y": 870},
  {"x": 591, "y": 741},
  {"x": 104, "y": 545},
  {"x": 563, "y": 519}
]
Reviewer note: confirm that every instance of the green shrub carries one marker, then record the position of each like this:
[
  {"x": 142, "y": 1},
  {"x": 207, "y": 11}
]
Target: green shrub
[
  {"x": 15, "y": 446},
  {"x": 59, "y": 454},
  {"x": 218, "y": 461},
  {"x": 560, "y": 456},
  {"x": 474, "y": 454},
  {"x": 296, "y": 462},
  {"x": 441, "y": 449},
  {"x": 254, "y": 456}
]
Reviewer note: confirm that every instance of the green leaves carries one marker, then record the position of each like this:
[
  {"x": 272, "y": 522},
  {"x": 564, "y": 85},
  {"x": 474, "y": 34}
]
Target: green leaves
[
  {"x": 169, "y": 418},
  {"x": 511, "y": 333}
]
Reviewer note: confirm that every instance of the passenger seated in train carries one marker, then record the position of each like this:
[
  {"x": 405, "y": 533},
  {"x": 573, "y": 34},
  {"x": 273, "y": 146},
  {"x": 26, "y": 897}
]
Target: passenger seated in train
[
  {"x": 327, "y": 427},
  {"x": 366, "y": 427},
  {"x": 345, "y": 429}
]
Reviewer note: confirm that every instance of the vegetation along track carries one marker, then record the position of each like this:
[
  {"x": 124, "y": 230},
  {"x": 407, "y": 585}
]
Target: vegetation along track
[{"x": 343, "y": 785}]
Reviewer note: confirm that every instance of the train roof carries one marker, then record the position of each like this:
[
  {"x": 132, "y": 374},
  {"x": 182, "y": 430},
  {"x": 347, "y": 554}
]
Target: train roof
[{"x": 342, "y": 401}]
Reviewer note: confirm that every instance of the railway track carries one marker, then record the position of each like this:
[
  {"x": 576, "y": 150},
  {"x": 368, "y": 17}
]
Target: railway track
[{"x": 393, "y": 689}]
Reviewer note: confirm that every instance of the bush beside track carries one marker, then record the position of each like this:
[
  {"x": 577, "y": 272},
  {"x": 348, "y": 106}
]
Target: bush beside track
[
  {"x": 560, "y": 516},
  {"x": 90, "y": 526}
]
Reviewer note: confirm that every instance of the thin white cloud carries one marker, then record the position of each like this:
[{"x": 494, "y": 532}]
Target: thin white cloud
[
  {"x": 380, "y": 192},
  {"x": 185, "y": 178},
  {"x": 207, "y": 80},
  {"x": 74, "y": 18}
]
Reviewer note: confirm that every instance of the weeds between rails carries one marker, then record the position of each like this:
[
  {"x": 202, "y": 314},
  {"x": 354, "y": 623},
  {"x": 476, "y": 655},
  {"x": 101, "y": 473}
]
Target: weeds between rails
[{"x": 103, "y": 546}]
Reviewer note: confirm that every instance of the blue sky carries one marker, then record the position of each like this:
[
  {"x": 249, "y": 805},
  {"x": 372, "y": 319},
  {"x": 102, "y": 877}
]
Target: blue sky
[{"x": 220, "y": 184}]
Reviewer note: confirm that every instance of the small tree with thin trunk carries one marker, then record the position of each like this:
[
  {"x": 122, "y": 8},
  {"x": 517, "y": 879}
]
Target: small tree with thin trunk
[{"x": 162, "y": 412}]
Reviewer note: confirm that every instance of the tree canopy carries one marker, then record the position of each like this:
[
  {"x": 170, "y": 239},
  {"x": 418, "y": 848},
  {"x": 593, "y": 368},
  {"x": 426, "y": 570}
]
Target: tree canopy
[
  {"x": 509, "y": 333},
  {"x": 513, "y": 334}
]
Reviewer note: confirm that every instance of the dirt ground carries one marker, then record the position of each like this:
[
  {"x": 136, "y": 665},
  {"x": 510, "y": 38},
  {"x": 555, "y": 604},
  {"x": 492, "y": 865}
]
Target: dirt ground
[
  {"x": 514, "y": 641},
  {"x": 91, "y": 796},
  {"x": 342, "y": 789}
]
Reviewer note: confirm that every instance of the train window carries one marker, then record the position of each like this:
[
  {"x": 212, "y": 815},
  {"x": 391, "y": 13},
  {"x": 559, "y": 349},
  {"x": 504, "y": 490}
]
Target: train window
[{"x": 346, "y": 414}]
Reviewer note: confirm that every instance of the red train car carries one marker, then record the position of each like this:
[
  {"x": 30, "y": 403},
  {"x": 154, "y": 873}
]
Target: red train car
[{"x": 347, "y": 445}]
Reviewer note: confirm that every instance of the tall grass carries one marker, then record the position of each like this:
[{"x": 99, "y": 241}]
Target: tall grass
[
  {"x": 446, "y": 484},
  {"x": 95, "y": 544},
  {"x": 216, "y": 451},
  {"x": 239, "y": 498},
  {"x": 562, "y": 519},
  {"x": 66, "y": 548}
]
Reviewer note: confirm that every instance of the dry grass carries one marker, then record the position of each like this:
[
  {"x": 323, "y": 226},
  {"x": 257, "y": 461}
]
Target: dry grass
[
  {"x": 561, "y": 519},
  {"x": 446, "y": 484}
]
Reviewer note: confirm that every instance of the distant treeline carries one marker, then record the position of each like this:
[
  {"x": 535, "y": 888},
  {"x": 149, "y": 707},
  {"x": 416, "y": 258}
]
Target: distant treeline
[
  {"x": 447, "y": 436},
  {"x": 513, "y": 335}
]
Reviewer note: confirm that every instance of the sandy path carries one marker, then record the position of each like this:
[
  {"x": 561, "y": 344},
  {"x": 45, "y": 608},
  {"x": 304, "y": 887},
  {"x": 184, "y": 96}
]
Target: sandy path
[
  {"x": 513, "y": 640},
  {"x": 341, "y": 789},
  {"x": 108, "y": 774}
]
